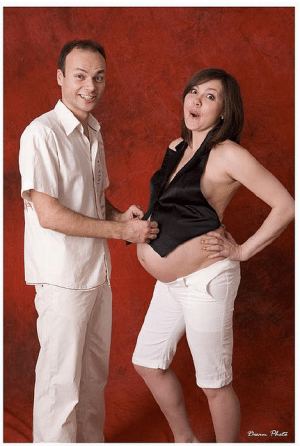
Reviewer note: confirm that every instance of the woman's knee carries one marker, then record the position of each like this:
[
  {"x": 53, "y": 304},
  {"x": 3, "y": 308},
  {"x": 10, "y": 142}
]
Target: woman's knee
[
  {"x": 213, "y": 393},
  {"x": 146, "y": 372}
]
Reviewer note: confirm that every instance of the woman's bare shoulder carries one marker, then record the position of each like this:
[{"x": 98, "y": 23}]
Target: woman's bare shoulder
[
  {"x": 229, "y": 145},
  {"x": 230, "y": 150},
  {"x": 239, "y": 164},
  {"x": 175, "y": 143}
]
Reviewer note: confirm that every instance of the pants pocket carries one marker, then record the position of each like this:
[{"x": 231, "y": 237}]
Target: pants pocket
[{"x": 224, "y": 285}]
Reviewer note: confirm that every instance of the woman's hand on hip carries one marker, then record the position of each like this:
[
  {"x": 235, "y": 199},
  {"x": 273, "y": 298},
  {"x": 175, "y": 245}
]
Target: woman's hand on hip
[{"x": 221, "y": 245}]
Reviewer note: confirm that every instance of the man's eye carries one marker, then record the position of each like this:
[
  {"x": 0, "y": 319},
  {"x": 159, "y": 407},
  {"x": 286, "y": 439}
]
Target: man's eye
[{"x": 100, "y": 79}]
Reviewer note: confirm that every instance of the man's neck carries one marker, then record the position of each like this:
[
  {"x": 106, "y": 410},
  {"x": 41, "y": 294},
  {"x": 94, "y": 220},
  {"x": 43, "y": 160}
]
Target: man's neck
[
  {"x": 82, "y": 117},
  {"x": 86, "y": 130}
]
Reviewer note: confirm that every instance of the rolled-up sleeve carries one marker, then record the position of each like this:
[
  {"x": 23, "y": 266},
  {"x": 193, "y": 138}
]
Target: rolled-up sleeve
[{"x": 38, "y": 160}]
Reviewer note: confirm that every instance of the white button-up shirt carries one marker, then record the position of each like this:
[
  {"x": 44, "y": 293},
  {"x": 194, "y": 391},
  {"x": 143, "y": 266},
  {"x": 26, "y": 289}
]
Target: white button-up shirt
[{"x": 56, "y": 158}]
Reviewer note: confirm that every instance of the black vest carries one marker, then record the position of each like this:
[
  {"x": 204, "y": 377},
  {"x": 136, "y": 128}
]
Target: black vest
[{"x": 180, "y": 209}]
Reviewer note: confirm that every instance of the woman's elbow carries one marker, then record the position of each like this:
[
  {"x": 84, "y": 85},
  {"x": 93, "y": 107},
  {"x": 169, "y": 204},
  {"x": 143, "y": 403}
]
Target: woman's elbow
[
  {"x": 292, "y": 213},
  {"x": 289, "y": 210}
]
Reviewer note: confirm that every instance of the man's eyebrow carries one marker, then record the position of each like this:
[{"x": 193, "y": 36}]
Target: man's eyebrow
[{"x": 85, "y": 71}]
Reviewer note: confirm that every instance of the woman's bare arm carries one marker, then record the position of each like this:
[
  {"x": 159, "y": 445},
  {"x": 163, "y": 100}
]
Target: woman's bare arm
[{"x": 241, "y": 166}]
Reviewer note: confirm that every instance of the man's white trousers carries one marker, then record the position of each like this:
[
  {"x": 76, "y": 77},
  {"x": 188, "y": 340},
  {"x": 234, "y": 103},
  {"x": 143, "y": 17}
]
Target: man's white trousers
[{"x": 74, "y": 330}]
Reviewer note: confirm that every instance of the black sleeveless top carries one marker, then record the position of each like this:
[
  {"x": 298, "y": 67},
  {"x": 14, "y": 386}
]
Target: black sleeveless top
[{"x": 180, "y": 209}]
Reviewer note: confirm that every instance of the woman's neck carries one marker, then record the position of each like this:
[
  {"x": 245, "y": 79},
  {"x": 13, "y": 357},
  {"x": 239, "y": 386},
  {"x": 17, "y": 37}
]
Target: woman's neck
[{"x": 197, "y": 140}]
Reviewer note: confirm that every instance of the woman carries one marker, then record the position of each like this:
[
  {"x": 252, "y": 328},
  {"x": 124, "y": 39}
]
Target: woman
[{"x": 195, "y": 261}]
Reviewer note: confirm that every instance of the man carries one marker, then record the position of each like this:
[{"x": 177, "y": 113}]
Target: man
[{"x": 67, "y": 222}]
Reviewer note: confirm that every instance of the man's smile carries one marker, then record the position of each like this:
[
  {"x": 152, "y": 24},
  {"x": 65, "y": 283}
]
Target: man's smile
[{"x": 87, "y": 97}]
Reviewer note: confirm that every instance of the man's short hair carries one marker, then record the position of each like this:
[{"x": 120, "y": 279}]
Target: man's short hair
[{"x": 89, "y": 45}]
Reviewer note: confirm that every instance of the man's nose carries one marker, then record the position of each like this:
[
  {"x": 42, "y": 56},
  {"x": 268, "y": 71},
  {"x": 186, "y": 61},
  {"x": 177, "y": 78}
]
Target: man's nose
[{"x": 89, "y": 84}]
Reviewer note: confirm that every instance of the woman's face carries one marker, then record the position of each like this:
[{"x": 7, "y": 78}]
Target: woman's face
[{"x": 203, "y": 106}]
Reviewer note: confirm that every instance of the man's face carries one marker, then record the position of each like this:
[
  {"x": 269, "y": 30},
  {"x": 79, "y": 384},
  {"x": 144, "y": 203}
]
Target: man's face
[{"x": 83, "y": 83}]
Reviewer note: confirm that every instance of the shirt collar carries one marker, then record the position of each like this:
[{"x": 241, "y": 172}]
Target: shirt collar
[{"x": 70, "y": 122}]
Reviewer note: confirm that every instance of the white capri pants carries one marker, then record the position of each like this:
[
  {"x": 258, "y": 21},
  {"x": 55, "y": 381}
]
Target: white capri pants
[
  {"x": 200, "y": 304},
  {"x": 74, "y": 330}
]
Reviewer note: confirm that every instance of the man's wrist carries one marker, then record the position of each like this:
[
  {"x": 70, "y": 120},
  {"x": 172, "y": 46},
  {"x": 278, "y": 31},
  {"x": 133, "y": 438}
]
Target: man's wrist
[
  {"x": 111, "y": 229},
  {"x": 118, "y": 230}
]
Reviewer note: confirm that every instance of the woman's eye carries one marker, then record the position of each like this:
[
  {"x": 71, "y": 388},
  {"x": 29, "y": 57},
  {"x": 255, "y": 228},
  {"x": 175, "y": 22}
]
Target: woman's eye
[
  {"x": 193, "y": 91},
  {"x": 211, "y": 96}
]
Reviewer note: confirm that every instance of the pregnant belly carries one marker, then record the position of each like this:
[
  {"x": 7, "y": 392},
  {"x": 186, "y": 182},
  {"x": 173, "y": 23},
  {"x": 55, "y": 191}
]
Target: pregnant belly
[{"x": 185, "y": 259}]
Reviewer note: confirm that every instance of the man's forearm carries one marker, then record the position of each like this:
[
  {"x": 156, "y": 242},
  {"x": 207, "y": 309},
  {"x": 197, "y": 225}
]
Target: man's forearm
[
  {"x": 64, "y": 220},
  {"x": 52, "y": 215}
]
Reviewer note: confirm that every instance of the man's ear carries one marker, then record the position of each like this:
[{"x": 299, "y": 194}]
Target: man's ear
[{"x": 59, "y": 77}]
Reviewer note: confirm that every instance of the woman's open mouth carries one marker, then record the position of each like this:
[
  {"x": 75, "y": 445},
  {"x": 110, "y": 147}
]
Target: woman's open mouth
[{"x": 194, "y": 114}]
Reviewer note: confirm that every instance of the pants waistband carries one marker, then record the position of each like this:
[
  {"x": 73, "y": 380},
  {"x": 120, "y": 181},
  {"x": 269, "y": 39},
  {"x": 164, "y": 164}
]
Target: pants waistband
[{"x": 208, "y": 273}]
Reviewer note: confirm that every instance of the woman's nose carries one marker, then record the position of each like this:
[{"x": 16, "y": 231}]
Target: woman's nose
[{"x": 197, "y": 101}]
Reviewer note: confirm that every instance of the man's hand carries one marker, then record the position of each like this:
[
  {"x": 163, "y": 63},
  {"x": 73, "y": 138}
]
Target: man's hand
[
  {"x": 133, "y": 212},
  {"x": 140, "y": 231}
]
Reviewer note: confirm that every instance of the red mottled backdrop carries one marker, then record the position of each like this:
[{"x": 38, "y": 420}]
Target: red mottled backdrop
[{"x": 151, "y": 53}]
